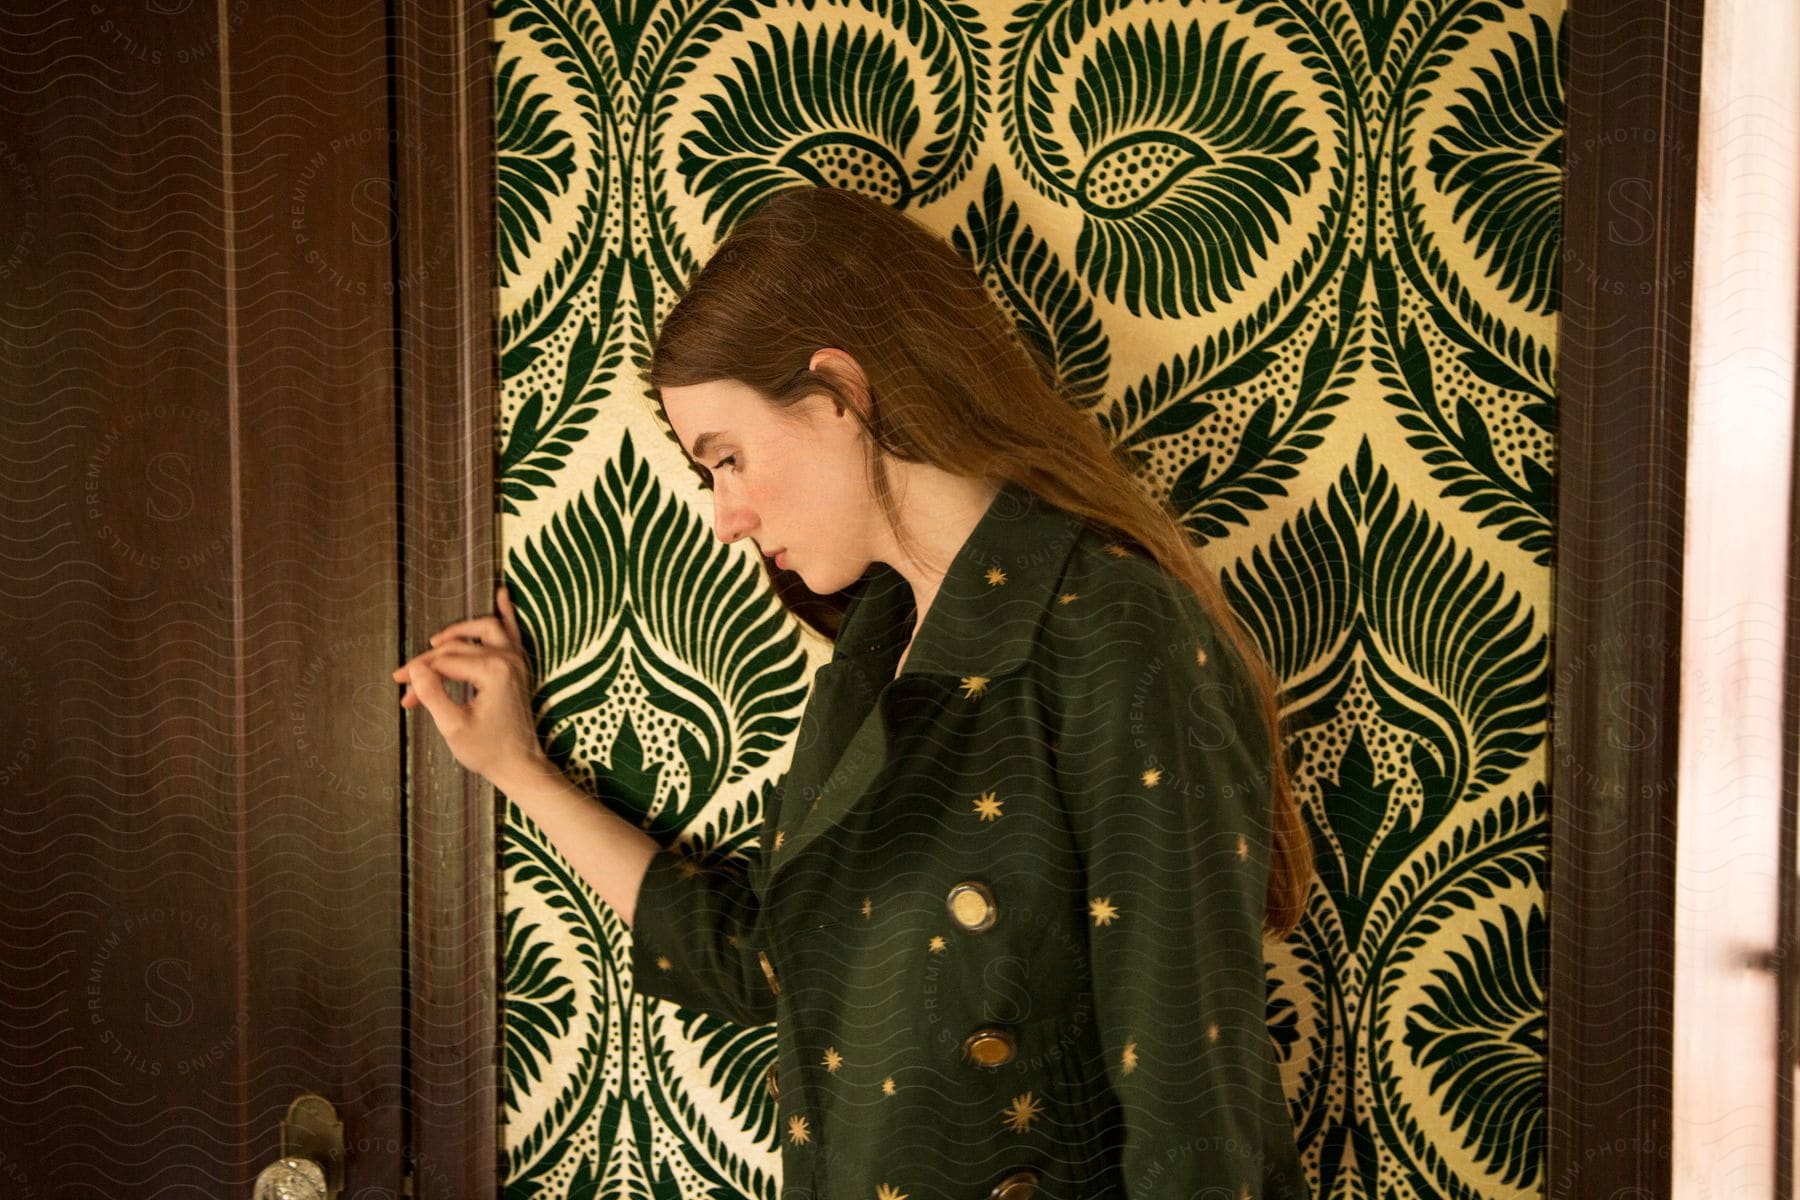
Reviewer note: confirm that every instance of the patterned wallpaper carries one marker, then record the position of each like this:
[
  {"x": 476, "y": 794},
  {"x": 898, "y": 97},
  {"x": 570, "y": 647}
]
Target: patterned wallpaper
[{"x": 1340, "y": 373}]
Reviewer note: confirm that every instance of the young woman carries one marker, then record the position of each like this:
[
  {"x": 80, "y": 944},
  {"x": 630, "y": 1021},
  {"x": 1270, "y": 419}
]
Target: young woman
[{"x": 1008, "y": 908}]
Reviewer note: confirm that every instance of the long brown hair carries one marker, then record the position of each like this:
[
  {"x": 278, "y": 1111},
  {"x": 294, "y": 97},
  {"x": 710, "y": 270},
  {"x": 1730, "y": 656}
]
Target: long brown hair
[{"x": 951, "y": 382}]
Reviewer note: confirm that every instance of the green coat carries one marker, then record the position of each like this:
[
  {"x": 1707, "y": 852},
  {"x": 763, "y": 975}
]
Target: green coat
[{"x": 1006, "y": 915}]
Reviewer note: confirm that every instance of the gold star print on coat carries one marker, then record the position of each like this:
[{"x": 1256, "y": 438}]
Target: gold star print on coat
[
  {"x": 1156, "y": 809},
  {"x": 1098, "y": 702},
  {"x": 1020, "y": 1112},
  {"x": 662, "y": 960}
]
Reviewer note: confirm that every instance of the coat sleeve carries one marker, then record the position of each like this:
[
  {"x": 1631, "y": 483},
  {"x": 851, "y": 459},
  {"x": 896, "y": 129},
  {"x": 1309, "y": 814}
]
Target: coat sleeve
[
  {"x": 695, "y": 937},
  {"x": 1166, "y": 775}
]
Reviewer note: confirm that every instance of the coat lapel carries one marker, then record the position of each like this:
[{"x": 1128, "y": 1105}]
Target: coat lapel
[{"x": 982, "y": 624}]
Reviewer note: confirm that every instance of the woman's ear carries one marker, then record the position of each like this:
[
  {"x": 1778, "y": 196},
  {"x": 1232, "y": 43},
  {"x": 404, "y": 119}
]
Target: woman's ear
[{"x": 829, "y": 360}]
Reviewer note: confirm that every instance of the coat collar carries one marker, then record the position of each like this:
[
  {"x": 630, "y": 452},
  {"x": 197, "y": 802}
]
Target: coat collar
[
  {"x": 983, "y": 622},
  {"x": 984, "y": 619}
]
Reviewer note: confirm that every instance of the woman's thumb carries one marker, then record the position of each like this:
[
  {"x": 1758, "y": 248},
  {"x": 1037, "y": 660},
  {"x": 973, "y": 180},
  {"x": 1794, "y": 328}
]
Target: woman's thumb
[{"x": 430, "y": 688}]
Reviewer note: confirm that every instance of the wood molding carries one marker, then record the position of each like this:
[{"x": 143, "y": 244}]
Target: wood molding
[
  {"x": 443, "y": 160},
  {"x": 1630, "y": 163}
]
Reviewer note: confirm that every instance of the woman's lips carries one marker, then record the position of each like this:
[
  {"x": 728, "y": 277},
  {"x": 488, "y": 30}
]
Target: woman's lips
[{"x": 781, "y": 559}]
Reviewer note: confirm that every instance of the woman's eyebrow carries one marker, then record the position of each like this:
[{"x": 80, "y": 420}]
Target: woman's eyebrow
[{"x": 705, "y": 440}]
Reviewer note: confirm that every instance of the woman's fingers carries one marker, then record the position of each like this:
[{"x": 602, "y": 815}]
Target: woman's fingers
[
  {"x": 464, "y": 662},
  {"x": 446, "y": 712},
  {"x": 507, "y": 613},
  {"x": 438, "y": 667},
  {"x": 471, "y": 649},
  {"x": 461, "y": 662},
  {"x": 488, "y": 629},
  {"x": 494, "y": 728}
]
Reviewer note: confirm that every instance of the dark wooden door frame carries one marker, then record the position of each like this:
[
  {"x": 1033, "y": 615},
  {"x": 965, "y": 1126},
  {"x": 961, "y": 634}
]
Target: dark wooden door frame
[
  {"x": 446, "y": 315},
  {"x": 1631, "y": 161}
]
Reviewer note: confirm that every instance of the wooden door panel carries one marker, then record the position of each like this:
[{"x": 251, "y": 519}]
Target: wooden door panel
[{"x": 207, "y": 856}]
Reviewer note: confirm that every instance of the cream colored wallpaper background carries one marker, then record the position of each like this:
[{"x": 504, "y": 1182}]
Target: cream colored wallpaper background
[{"x": 1341, "y": 376}]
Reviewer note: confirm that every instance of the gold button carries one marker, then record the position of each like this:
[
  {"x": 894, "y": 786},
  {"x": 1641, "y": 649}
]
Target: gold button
[
  {"x": 972, "y": 905},
  {"x": 774, "y": 1084},
  {"x": 1020, "y": 1185},
  {"x": 769, "y": 971},
  {"x": 990, "y": 1047}
]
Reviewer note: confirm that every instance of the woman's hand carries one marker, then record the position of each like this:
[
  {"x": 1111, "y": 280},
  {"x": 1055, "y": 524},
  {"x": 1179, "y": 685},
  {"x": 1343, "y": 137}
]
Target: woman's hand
[{"x": 495, "y": 733}]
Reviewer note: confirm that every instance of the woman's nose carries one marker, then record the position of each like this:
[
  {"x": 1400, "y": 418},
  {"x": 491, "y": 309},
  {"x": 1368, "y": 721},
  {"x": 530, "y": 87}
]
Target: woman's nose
[{"x": 731, "y": 522}]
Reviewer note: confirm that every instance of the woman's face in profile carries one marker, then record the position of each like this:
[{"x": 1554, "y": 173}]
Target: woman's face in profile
[{"x": 789, "y": 480}]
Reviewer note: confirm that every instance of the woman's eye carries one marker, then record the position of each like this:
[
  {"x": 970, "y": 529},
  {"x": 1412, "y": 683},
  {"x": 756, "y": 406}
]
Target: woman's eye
[{"x": 706, "y": 482}]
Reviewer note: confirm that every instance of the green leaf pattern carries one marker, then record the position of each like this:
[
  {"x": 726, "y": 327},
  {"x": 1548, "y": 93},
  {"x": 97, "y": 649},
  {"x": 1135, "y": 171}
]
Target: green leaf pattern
[{"x": 1298, "y": 260}]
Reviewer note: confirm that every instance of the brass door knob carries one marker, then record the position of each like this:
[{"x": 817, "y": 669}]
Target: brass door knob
[
  {"x": 291, "y": 1179},
  {"x": 311, "y": 1166}
]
